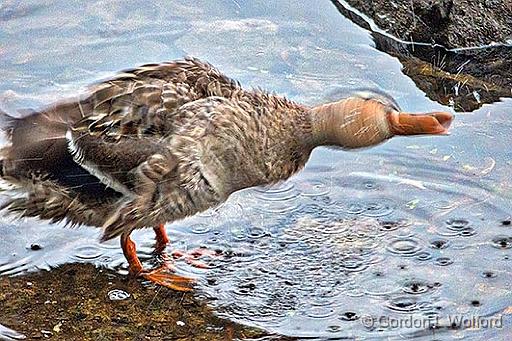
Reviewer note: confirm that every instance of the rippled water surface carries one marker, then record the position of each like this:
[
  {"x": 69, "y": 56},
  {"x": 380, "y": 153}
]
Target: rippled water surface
[{"x": 416, "y": 228}]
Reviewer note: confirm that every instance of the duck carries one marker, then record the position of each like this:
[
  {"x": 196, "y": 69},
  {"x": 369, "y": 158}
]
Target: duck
[{"x": 161, "y": 142}]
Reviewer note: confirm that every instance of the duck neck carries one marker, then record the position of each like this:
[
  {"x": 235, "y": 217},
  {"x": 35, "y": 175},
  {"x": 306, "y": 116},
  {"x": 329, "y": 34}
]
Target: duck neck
[
  {"x": 322, "y": 119},
  {"x": 349, "y": 123}
]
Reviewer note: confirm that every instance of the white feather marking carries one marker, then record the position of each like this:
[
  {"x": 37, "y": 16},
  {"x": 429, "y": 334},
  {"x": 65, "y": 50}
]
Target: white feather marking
[{"x": 92, "y": 168}]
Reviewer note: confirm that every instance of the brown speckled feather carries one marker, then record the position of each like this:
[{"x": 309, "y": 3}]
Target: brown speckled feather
[{"x": 151, "y": 145}]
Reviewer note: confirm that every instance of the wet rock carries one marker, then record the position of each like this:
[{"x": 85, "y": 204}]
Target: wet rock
[
  {"x": 435, "y": 14},
  {"x": 462, "y": 78},
  {"x": 451, "y": 23}
]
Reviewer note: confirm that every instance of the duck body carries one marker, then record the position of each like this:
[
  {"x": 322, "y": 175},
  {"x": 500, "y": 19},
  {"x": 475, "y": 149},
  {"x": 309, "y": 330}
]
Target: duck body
[{"x": 164, "y": 141}]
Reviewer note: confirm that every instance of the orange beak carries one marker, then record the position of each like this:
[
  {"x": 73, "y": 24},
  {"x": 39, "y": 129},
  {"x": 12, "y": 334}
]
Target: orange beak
[{"x": 436, "y": 123}]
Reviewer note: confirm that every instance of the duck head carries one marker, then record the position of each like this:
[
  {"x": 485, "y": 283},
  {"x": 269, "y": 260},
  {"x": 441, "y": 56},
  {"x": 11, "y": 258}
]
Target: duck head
[{"x": 369, "y": 118}]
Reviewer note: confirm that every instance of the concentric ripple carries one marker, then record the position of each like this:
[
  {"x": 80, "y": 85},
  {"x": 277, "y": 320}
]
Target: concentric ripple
[
  {"x": 278, "y": 199},
  {"x": 88, "y": 252},
  {"x": 405, "y": 247},
  {"x": 376, "y": 207},
  {"x": 403, "y": 304}
]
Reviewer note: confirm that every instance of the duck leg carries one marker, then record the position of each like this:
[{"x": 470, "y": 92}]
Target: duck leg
[
  {"x": 161, "y": 238},
  {"x": 160, "y": 276},
  {"x": 190, "y": 257}
]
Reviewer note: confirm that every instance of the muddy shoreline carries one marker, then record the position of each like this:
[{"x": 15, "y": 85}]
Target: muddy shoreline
[{"x": 77, "y": 302}]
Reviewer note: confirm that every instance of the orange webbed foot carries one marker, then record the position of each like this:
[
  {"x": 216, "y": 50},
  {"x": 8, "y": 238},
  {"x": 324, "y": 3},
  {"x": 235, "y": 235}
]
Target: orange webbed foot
[{"x": 164, "y": 277}]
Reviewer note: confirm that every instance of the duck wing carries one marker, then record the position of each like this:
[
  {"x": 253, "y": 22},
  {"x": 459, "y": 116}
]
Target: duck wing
[
  {"x": 128, "y": 116},
  {"x": 74, "y": 148},
  {"x": 133, "y": 110}
]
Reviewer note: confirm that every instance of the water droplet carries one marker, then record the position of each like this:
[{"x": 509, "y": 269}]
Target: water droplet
[
  {"x": 333, "y": 329},
  {"x": 353, "y": 208},
  {"x": 35, "y": 247},
  {"x": 403, "y": 304},
  {"x": 457, "y": 224},
  {"x": 467, "y": 232},
  {"x": 200, "y": 228},
  {"x": 502, "y": 242},
  {"x": 370, "y": 185},
  {"x": 118, "y": 295},
  {"x": 320, "y": 312},
  {"x": 423, "y": 256},
  {"x": 443, "y": 261},
  {"x": 256, "y": 232},
  {"x": 439, "y": 244},
  {"x": 105, "y": 260},
  {"x": 354, "y": 263},
  {"x": 313, "y": 188},
  {"x": 349, "y": 316},
  {"x": 406, "y": 247},
  {"x": 87, "y": 252},
  {"x": 416, "y": 287},
  {"x": 392, "y": 225},
  {"x": 489, "y": 274},
  {"x": 377, "y": 209}
]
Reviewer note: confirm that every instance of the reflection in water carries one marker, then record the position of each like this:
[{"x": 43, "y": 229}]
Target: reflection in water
[{"x": 415, "y": 227}]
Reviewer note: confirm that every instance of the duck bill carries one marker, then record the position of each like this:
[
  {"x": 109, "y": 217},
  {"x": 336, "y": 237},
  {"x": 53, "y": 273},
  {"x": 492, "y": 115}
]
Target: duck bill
[{"x": 436, "y": 123}]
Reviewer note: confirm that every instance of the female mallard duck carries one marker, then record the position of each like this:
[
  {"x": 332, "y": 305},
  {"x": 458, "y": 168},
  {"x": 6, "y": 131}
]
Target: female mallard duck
[{"x": 165, "y": 141}]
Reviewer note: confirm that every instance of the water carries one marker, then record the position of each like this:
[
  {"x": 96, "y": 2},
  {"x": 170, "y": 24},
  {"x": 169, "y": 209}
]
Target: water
[
  {"x": 9, "y": 334},
  {"x": 413, "y": 229}
]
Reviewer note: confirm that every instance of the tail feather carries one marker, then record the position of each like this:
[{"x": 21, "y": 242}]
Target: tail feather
[
  {"x": 37, "y": 144},
  {"x": 38, "y": 147},
  {"x": 49, "y": 183},
  {"x": 47, "y": 200}
]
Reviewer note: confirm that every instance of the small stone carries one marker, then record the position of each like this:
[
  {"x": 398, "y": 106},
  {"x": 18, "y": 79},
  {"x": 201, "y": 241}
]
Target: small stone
[
  {"x": 56, "y": 328},
  {"x": 180, "y": 323},
  {"x": 118, "y": 295},
  {"x": 506, "y": 222},
  {"x": 46, "y": 333}
]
